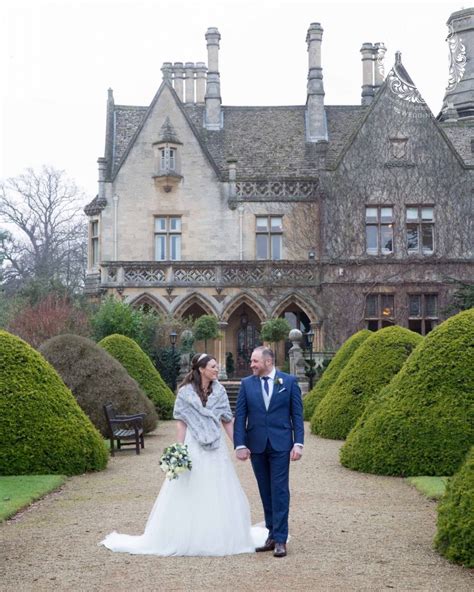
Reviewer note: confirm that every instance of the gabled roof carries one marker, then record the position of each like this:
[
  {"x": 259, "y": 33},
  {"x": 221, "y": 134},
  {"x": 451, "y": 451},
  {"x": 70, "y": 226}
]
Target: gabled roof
[{"x": 266, "y": 141}]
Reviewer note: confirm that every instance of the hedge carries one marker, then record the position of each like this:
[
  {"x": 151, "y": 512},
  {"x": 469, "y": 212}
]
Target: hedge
[
  {"x": 343, "y": 355},
  {"x": 42, "y": 428},
  {"x": 372, "y": 366},
  {"x": 423, "y": 423},
  {"x": 455, "y": 533},
  {"x": 141, "y": 368},
  {"x": 96, "y": 378}
]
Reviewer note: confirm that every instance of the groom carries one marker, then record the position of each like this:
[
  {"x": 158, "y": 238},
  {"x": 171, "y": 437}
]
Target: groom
[{"x": 269, "y": 430}]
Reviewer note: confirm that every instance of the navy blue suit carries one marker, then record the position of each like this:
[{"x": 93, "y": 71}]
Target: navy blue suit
[{"x": 270, "y": 435}]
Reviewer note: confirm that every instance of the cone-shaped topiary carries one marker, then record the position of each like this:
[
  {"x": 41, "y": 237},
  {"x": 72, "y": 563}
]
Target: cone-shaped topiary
[
  {"x": 423, "y": 422},
  {"x": 96, "y": 378},
  {"x": 42, "y": 428},
  {"x": 455, "y": 534},
  {"x": 372, "y": 366},
  {"x": 140, "y": 367},
  {"x": 343, "y": 355}
]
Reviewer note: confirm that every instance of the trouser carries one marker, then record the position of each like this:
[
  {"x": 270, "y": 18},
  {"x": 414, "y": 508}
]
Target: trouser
[{"x": 272, "y": 470}]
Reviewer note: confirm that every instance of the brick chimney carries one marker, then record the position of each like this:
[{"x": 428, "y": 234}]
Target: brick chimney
[{"x": 316, "y": 124}]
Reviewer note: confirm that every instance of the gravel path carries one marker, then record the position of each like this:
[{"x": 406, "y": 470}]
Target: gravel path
[{"x": 350, "y": 531}]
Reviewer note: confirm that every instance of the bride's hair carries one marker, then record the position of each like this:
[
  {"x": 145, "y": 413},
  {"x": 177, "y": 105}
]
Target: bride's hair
[{"x": 194, "y": 376}]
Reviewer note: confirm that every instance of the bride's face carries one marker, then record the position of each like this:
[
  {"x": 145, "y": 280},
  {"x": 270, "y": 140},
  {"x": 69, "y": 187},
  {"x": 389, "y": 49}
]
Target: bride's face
[{"x": 210, "y": 371}]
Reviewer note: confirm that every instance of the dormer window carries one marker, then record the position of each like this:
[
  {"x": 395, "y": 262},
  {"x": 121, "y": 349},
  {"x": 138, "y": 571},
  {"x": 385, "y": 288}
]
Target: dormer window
[{"x": 167, "y": 158}]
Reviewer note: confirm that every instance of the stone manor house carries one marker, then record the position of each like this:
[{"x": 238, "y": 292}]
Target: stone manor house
[{"x": 335, "y": 217}]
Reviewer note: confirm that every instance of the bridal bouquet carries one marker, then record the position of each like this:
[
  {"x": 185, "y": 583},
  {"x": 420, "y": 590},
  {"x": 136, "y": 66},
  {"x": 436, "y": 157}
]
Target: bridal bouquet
[{"x": 175, "y": 460}]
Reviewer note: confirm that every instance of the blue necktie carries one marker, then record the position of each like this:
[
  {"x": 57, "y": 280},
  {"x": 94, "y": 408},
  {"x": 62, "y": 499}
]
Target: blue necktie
[{"x": 267, "y": 390}]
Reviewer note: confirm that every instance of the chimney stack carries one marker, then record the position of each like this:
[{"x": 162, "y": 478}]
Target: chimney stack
[
  {"x": 316, "y": 124},
  {"x": 189, "y": 82},
  {"x": 179, "y": 79},
  {"x": 367, "y": 51},
  {"x": 213, "y": 117},
  {"x": 459, "y": 95},
  {"x": 200, "y": 81},
  {"x": 379, "y": 72}
]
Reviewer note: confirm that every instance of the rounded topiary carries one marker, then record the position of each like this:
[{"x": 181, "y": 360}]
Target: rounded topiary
[
  {"x": 96, "y": 378},
  {"x": 343, "y": 355},
  {"x": 372, "y": 366},
  {"x": 423, "y": 422},
  {"x": 140, "y": 367},
  {"x": 455, "y": 534},
  {"x": 42, "y": 428}
]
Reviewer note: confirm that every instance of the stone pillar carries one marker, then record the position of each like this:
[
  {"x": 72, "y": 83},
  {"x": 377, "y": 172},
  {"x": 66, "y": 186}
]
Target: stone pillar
[
  {"x": 189, "y": 82},
  {"x": 316, "y": 124},
  {"x": 221, "y": 350},
  {"x": 213, "y": 120},
  {"x": 232, "y": 162},
  {"x": 367, "y": 51},
  {"x": 297, "y": 362},
  {"x": 200, "y": 81},
  {"x": 102, "y": 162},
  {"x": 318, "y": 344},
  {"x": 179, "y": 80}
]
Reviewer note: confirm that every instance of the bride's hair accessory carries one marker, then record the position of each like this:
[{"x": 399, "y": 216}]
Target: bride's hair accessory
[{"x": 201, "y": 357}]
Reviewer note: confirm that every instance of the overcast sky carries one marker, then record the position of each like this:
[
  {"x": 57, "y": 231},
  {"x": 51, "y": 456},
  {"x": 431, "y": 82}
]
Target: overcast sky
[{"x": 59, "y": 57}]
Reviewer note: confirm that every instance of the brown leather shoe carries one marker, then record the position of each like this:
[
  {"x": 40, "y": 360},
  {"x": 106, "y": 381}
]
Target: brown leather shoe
[
  {"x": 280, "y": 550},
  {"x": 268, "y": 545}
]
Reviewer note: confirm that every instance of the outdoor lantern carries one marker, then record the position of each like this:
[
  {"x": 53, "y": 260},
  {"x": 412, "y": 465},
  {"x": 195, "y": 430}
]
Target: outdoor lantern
[{"x": 173, "y": 338}]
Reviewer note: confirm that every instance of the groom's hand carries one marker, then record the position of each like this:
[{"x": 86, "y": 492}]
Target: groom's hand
[
  {"x": 296, "y": 453},
  {"x": 242, "y": 453}
]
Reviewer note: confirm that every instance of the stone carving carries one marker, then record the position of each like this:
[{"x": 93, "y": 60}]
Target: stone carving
[
  {"x": 276, "y": 189},
  {"x": 142, "y": 275},
  {"x": 457, "y": 58}
]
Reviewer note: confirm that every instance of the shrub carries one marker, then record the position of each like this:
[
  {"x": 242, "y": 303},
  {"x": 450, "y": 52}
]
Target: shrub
[
  {"x": 423, "y": 422},
  {"x": 331, "y": 373},
  {"x": 96, "y": 378},
  {"x": 455, "y": 534},
  {"x": 54, "y": 315},
  {"x": 206, "y": 327},
  {"x": 372, "y": 366},
  {"x": 42, "y": 428},
  {"x": 140, "y": 367}
]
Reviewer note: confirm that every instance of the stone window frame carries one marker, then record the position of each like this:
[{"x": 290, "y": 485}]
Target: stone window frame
[
  {"x": 381, "y": 223},
  {"x": 94, "y": 242},
  {"x": 426, "y": 317},
  {"x": 269, "y": 232},
  {"x": 422, "y": 224},
  {"x": 382, "y": 313},
  {"x": 168, "y": 233}
]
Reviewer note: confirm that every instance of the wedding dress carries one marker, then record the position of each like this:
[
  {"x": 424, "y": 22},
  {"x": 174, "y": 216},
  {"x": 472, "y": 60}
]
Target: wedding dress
[{"x": 203, "y": 512}]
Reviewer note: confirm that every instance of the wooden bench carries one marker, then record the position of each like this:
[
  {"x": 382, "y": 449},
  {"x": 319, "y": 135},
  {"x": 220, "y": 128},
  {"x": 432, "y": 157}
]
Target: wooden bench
[{"x": 127, "y": 430}]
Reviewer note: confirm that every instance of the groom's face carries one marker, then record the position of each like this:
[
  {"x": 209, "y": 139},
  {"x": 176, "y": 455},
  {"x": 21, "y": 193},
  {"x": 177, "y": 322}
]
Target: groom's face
[{"x": 259, "y": 364}]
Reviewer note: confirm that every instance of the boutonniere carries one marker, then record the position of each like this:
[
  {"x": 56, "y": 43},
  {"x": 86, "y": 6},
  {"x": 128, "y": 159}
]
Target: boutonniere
[{"x": 279, "y": 382}]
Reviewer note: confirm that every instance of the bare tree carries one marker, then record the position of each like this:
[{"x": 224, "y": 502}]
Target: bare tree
[{"x": 46, "y": 237}]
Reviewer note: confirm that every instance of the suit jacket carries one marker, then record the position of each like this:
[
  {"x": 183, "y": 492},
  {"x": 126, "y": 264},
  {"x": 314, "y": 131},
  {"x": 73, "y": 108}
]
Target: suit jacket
[{"x": 282, "y": 424}]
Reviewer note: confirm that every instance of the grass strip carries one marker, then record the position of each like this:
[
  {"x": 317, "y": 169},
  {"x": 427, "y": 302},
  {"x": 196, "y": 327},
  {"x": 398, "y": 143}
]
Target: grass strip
[
  {"x": 17, "y": 492},
  {"x": 431, "y": 487}
]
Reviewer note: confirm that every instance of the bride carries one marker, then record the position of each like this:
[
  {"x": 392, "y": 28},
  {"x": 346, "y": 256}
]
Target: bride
[{"x": 204, "y": 511}]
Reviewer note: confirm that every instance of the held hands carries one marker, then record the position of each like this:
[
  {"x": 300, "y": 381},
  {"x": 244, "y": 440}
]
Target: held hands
[
  {"x": 296, "y": 453},
  {"x": 242, "y": 454}
]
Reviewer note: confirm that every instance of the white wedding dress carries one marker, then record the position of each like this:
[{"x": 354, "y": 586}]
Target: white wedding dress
[{"x": 202, "y": 512}]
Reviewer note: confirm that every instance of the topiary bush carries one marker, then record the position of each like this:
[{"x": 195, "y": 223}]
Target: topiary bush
[
  {"x": 455, "y": 534},
  {"x": 96, "y": 378},
  {"x": 42, "y": 428},
  {"x": 343, "y": 355},
  {"x": 423, "y": 423},
  {"x": 140, "y": 367},
  {"x": 372, "y": 366}
]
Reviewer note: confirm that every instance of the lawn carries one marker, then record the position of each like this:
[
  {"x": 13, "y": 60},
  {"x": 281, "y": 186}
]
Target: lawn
[
  {"x": 17, "y": 492},
  {"x": 432, "y": 487}
]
